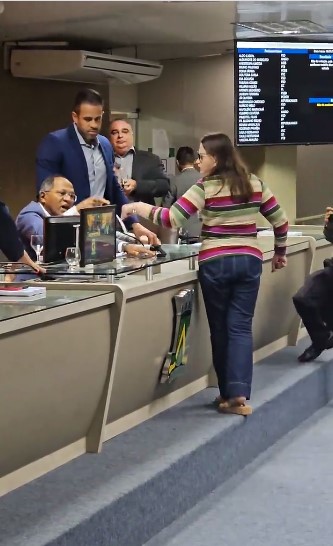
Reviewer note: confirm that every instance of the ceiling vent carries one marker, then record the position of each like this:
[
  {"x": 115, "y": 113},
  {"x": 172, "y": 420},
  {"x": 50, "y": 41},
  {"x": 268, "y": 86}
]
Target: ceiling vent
[{"x": 81, "y": 66}]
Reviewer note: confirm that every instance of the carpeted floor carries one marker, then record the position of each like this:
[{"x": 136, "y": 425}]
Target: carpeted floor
[
  {"x": 147, "y": 478},
  {"x": 284, "y": 498}
]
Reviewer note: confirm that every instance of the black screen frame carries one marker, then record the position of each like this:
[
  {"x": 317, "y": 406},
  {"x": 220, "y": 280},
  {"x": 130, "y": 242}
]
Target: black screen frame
[
  {"x": 83, "y": 232},
  {"x": 50, "y": 221},
  {"x": 288, "y": 39}
]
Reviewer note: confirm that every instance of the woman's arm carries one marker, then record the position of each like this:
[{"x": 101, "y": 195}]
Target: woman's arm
[
  {"x": 276, "y": 216},
  {"x": 188, "y": 204},
  {"x": 272, "y": 211},
  {"x": 25, "y": 258},
  {"x": 28, "y": 261}
]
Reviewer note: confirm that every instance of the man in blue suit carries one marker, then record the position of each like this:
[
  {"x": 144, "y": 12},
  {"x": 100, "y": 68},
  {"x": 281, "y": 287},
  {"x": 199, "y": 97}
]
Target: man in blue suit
[{"x": 85, "y": 158}]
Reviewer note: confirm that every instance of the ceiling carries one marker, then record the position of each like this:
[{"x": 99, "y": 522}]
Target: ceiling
[{"x": 155, "y": 29}]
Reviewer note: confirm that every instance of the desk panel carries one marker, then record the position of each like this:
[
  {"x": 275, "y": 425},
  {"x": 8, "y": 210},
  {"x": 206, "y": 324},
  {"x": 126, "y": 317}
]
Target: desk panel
[
  {"x": 275, "y": 313},
  {"x": 52, "y": 380},
  {"x": 144, "y": 340},
  {"x": 83, "y": 372}
]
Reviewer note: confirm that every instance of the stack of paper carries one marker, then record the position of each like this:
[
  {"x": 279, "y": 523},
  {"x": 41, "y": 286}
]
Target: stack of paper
[{"x": 20, "y": 293}]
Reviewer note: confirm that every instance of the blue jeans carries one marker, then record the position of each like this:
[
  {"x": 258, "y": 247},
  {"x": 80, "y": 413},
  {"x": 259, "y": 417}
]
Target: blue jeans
[{"x": 230, "y": 288}]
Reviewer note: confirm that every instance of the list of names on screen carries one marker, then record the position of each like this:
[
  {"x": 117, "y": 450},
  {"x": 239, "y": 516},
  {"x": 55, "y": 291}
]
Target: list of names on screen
[{"x": 283, "y": 93}]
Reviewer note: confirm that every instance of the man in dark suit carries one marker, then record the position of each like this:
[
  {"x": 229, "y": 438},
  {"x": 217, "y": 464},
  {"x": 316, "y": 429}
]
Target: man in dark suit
[
  {"x": 141, "y": 173},
  {"x": 187, "y": 177},
  {"x": 314, "y": 302},
  {"x": 85, "y": 158}
]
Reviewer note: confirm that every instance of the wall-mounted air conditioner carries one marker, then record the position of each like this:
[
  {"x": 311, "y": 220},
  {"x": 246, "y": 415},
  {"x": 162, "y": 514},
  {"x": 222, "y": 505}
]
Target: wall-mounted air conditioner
[{"x": 81, "y": 66}]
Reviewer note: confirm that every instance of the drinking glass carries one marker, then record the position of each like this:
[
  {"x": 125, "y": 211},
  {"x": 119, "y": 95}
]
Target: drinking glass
[
  {"x": 122, "y": 176},
  {"x": 73, "y": 257},
  {"x": 36, "y": 242}
]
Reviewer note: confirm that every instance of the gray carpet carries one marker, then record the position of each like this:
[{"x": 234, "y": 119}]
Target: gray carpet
[
  {"x": 283, "y": 498},
  {"x": 149, "y": 476}
]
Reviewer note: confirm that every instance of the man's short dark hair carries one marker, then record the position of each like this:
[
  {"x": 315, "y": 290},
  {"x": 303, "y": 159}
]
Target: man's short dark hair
[
  {"x": 185, "y": 155},
  {"x": 89, "y": 96}
]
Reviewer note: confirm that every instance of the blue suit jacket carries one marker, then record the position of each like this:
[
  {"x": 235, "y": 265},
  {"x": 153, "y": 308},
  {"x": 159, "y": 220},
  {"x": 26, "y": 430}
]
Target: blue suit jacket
[{"x": 60, "y": 152}]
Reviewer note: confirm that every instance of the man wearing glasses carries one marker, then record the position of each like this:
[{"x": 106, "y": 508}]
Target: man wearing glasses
[
  {"x": 139, "y": 172},
  {"x": 56, "y": 197},
  {"x": 85, "y": 158}
]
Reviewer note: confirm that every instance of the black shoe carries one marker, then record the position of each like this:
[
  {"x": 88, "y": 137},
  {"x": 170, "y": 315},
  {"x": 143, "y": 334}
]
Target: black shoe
[
  {"x": 311, "y": 353},
  {"x": 329, "y": 344}
]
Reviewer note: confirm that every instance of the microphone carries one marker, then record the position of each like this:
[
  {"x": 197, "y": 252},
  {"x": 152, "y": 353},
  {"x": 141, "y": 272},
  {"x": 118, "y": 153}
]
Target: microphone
[{"x": 126, "y": 236}]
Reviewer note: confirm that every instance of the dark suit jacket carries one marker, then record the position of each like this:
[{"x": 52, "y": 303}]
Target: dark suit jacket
[
  {"x": 10, "y": 242},
  {"x": 151, "y": 180},
  {"x": 60, "y": 152},
  {"x": 180, "y": 184}
]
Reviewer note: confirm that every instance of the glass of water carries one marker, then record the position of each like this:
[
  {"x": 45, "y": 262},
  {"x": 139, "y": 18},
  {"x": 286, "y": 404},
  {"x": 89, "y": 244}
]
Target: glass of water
[
  {"x": 120, "y": 174},
  {"x": 73, "y": 257},
  {"x": 36, "y": 242}
]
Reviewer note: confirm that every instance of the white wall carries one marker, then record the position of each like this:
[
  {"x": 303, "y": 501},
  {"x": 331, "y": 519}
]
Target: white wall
[
  {"x": 190, "y": 99},
  {"x": 314, "y": 179},
  {"x": 123, "y": 98},
  {"x": 279, "y": 172}
]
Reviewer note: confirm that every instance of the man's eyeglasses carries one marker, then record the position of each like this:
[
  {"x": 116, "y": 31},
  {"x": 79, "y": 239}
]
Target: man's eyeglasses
[
  {"x": 63, "y": 194},
  {"x": 200, "y": 156}
]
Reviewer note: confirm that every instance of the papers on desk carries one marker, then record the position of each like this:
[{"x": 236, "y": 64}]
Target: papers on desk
[
  {"x": 22, "y": 291},
  {"x": 12, "y": 294}
]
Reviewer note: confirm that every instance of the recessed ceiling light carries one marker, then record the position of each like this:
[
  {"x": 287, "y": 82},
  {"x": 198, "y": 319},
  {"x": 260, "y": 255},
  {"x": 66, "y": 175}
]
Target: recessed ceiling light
[{"x": 284, "y": 27}]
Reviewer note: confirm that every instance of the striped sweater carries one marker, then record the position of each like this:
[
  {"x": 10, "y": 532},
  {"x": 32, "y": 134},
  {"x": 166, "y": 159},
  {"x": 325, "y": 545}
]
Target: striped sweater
[{"x": 229, "y": 226}]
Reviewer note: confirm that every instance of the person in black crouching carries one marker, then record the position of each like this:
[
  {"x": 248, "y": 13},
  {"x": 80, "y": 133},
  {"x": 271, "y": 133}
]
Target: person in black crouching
[{"x": 314, "y": 303}]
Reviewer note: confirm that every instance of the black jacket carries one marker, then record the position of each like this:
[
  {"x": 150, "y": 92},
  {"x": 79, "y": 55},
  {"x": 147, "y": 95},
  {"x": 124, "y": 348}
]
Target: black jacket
[
  {"x": 328, "y": 231},
  {"x": 147, "y": 171},
  {"x": 10, "y": 242}
]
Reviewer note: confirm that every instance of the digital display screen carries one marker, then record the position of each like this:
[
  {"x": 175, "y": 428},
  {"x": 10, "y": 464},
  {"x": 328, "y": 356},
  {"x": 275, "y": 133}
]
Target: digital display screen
[
  {"x": 98, "y": 235},
  {"x": 283, "y": 93}
]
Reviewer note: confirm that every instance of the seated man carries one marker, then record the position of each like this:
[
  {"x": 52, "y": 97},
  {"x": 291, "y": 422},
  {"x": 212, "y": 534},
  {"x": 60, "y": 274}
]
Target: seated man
[
  {"x": 56, "y": 197},
  {"x": 314, "y": 304}
]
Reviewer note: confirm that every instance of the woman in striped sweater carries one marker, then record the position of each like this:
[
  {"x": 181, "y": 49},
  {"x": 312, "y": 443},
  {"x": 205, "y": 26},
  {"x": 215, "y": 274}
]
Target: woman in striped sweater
[{"x": 230, "y": 260}]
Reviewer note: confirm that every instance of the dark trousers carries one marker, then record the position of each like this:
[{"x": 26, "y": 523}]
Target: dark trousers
[
  {"x": 314, "y": 304},
  {"x": 230, "y": 288}
]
